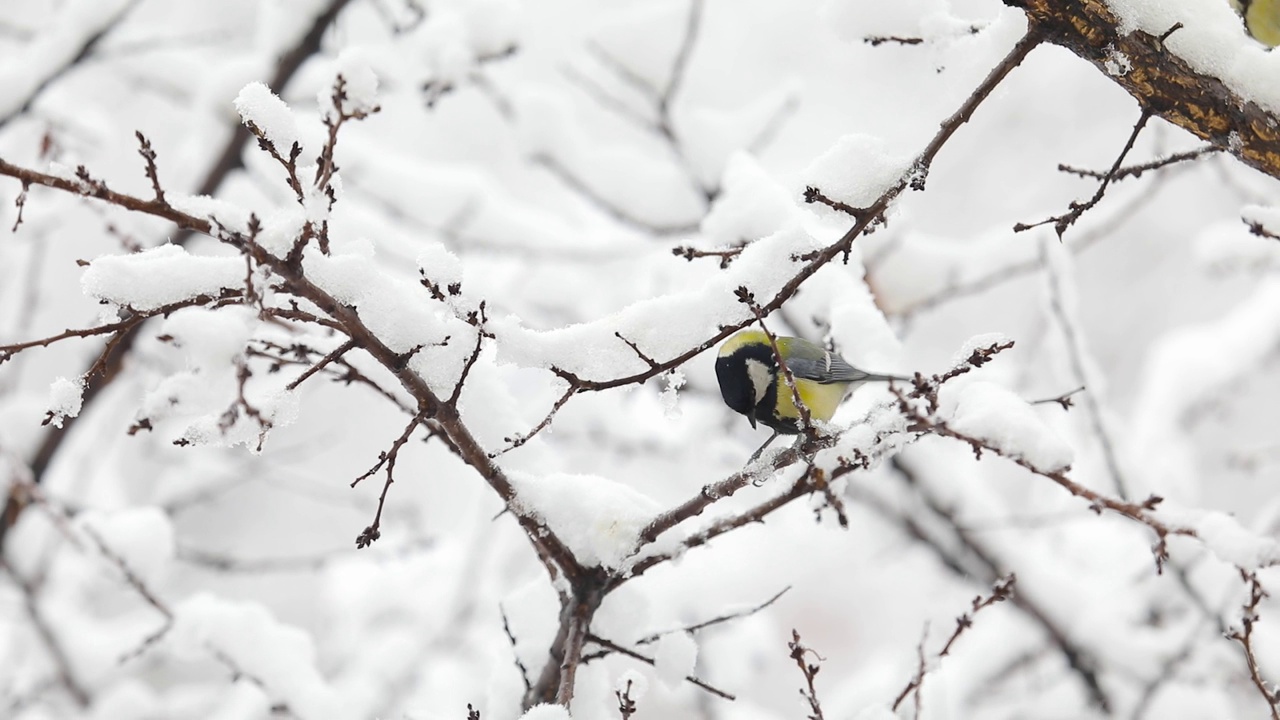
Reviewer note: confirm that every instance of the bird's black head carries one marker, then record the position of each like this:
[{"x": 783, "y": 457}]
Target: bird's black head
[
  {"x": 746, "y": 374},
  {"x": 735, "y": 384}
]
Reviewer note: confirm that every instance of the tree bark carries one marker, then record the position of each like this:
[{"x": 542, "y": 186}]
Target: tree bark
[{"x": 1159, "y": 80}]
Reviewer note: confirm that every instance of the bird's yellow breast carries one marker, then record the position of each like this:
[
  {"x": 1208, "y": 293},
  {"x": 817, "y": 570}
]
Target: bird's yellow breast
[{"x": 822, "y": 400}]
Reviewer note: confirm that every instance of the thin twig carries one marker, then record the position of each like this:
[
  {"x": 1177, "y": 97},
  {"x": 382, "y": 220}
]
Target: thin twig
[
  {"x": 1076, "y": 208},
  {"x": 332, "y": 356},
  {"x": 1136, "y": 171},
  {"x": 800, "y": 654},
  {"x": 1244, "y": 636},
  {"x": 524, "y": 671},
  {"x": 614, "y": 647},
  {"x": 1001, "y": 590},
  {"x": 716, "y": 620},
  {"x": 388, "y": 459},
  {"x": 1081, "y": 367},
  {"x": 52, "y": 644}
]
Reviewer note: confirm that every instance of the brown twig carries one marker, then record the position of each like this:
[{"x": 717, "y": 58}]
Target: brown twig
[
  {"x": 332, "y": 356},
  {"x": 639, "y": 353},
  {"x": 626, "y": 706},
  {"x": 388, "y": 459},
  {"x": 515, "y": 441},
  {"x": 1136, "y": 171},
  {"x": 614, "y": 647},
  {"x": 716, "y": 620},
  {"x": 968, "y": 558},
  {"x": 21, "y": 204},
  {"x": 878, "y": 40},
  {"x": 800, "y": 654},
  {"x": 477, "y": 319},
  {"x": 136, "y": 317},
  {"x": 1064, "y": 399},
  {"x": 818, "y": 259},
  {"x": 1076, "y": 208},
  {"x": 814, "y": 195},
  {"x": 229, "y": 160},
  {"x": 1244, "y": 636},
  {"x": 511, "y": 638},
  {"x": 691, "y": 253},
  {"x": 348, "y": 319},
  {"x": 149, "y": 157},
  {"x": 1002, "y": 590},
  {"x": 1141, "y": 512},
  {"x": 927, "y": 388}
]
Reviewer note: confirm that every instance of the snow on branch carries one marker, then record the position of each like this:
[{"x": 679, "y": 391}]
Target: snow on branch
[{"x": 1204, "y": 76}]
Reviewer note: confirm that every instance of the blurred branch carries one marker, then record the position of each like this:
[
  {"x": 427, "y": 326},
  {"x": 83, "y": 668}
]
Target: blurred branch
[
  {"x": 662, "y": 99},
  {"x": 1077, "y": 244},
  {"x": 52, "y": 644},
  {"x": 716, "y": 620},
  {"x": 605, "y": 205},
  {"x": 88, "y": 44},
  {"x": 511, "y": 638},
  {"x": 1080, "y": 367},
  {"x": 1063, "y": 400},
  {"x": 973, "y": 558}
]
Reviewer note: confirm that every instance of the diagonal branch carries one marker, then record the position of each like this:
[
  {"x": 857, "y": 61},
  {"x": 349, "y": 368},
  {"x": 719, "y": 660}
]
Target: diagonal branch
[
  {"x": 1077, "y": 209},
  {"x": 1161, "y": 82},
  {"x": 913, "y": 178}
]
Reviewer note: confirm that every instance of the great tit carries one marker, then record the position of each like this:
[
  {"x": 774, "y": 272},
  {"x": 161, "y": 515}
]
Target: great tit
[
  {"x": 752, "y": 384},
  {"x": 1261, "y": 18}
]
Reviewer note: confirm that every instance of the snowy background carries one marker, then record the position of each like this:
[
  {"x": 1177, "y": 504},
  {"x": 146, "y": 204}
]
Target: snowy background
[{"x": 557, "y": 159}]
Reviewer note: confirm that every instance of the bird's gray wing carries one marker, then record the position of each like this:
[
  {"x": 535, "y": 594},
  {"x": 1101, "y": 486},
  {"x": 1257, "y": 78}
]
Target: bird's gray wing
[{"x": 814, "y": 362}]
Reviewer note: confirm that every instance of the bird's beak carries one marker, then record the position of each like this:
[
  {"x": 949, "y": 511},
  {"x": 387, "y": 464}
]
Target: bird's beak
[{"x": 752, "y": 420}]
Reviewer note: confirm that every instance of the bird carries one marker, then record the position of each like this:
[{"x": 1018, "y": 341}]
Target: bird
[
  {"x": 752, "y": 384},
  {"x": 1261, "y": 19}
]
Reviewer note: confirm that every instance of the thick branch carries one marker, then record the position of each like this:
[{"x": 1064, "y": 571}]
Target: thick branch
[{"x": 1161, "y": 82}]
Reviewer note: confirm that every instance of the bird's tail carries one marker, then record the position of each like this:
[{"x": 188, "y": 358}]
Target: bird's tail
[{"x": 878, "y": 377}]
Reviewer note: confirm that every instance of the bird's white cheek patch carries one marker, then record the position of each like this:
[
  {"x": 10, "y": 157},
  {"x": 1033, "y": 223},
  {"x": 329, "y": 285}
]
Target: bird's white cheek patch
[{"x": 761, "y": 378}]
